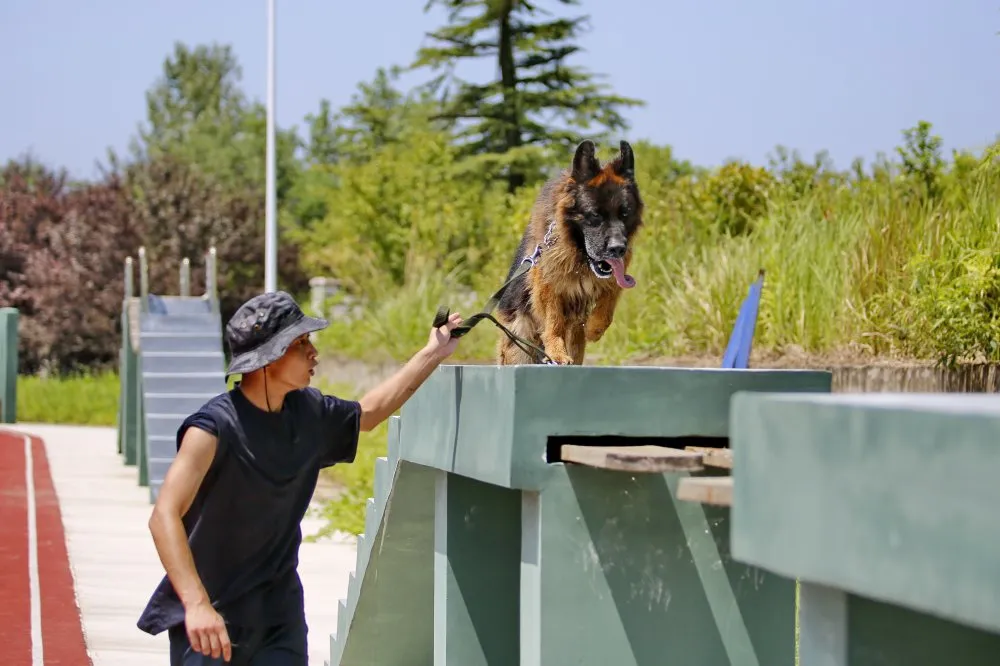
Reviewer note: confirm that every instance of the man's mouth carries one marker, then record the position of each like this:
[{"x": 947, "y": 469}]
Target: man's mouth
[{"x": 605, "y": 268}]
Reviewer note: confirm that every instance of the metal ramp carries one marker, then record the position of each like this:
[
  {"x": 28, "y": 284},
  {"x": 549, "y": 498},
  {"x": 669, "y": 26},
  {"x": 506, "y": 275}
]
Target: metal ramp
[{"x": 172, "y": 363}]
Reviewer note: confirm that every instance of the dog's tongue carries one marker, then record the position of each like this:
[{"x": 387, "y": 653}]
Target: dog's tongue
[{"x": 624, "y": 280}]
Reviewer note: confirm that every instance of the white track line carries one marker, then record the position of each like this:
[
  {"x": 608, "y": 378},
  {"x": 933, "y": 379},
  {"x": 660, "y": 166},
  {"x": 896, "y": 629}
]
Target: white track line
[{"x": 37, "y": 657}]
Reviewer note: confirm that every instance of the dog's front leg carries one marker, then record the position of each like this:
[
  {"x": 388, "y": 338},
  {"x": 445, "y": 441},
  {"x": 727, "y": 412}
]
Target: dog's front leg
[
  {"x": 554, "y": 339},
  {"x": 602, "y": 315},
  {"x": 554, "y": 327}
]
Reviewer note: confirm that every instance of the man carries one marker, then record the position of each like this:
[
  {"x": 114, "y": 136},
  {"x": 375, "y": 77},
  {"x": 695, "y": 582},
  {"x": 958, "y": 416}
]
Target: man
[{"x": 226, "y": 521}]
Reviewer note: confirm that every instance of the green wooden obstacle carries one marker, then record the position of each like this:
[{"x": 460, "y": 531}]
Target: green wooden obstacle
[
  {"x": 880, "y": 505},
  {"x": 8, "y": 365},
  {"x": 529, "y": 515}
]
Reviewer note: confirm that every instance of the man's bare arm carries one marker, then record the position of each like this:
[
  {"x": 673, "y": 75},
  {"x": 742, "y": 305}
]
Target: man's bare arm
[
  {"x": 379, "y": 404},
  {"x": 178, "y": 491},
  {"x": 382, "y": 401},
  {"x": 206, "y": 629}
]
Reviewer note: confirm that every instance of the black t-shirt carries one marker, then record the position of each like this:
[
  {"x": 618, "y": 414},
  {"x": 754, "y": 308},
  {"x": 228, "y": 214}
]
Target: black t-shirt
[{"x": 243, "y": 525}]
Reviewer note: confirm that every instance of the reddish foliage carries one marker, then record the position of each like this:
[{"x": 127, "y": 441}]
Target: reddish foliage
[
  {"x": 62, "y": 252},
  {"x": 183, "y": 212}
]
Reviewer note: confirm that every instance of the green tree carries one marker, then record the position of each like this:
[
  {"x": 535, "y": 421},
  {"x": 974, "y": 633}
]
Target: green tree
[
  {"x": 196, "y": 111},
  {"x": 539, "y": 99},
  {"x": 378, "y": 115},
  {"x": 921, "y": 158}
]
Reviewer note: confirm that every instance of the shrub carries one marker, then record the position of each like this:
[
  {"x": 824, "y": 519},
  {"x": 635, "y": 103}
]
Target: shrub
[{"x": 82, "y": 399}]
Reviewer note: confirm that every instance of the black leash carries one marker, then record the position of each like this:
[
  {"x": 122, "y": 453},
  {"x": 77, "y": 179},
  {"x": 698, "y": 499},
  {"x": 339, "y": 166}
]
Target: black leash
[{"x": 527, "y": 347}]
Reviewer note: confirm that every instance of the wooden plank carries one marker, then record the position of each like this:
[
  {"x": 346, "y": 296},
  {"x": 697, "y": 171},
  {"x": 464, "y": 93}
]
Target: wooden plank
[
  {"x": 645, "y": 459},
  {"x": 707, "y": 490},
  {"x": 713, "y": 456}
]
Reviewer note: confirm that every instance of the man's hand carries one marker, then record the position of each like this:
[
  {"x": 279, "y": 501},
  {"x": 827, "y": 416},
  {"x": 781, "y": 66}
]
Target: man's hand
[
  {"x": 440, "y": 344},
  {"x": 206, "y": 631}
]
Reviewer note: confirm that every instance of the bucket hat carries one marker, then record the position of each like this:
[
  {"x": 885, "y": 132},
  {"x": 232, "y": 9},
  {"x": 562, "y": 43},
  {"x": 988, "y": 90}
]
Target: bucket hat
[{"x": 261, "y": 330}]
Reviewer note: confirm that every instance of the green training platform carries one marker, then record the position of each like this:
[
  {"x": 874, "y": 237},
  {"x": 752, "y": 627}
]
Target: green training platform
[
  {"x": 880, "y": 505},
  {"x": 520, "y": 518}
]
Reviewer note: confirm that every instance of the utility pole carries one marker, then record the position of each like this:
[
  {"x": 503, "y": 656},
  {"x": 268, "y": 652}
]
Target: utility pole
[{"x": 270, "y": 214}]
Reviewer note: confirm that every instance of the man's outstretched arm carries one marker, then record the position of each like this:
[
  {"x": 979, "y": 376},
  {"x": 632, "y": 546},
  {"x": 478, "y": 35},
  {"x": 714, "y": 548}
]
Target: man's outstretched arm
[
  {"x": 382, "y": 401},
  {"x": 205, "y": 627}
]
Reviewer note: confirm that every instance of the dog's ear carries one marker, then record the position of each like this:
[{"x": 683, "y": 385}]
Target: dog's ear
[
  {"x": 585, "y": 164},
  {"x": 625, "y": 162}
]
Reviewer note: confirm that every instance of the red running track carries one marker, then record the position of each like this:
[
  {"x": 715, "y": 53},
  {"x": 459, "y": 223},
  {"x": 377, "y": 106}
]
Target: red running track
[{"x": 39, "y": 618}]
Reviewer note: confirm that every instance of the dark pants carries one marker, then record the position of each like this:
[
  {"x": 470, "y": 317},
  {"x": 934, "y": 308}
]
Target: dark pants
[{"x": 283, "y": 645}]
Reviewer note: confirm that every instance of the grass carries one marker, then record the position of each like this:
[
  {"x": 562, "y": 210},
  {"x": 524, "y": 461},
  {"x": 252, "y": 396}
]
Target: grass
[
  {"x": 881, "y": 264},
  {"x": 74, "y": 400}
]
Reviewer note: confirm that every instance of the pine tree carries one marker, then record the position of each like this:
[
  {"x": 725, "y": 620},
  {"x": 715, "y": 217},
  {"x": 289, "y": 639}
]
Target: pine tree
[{"x": 538, "y": 101}]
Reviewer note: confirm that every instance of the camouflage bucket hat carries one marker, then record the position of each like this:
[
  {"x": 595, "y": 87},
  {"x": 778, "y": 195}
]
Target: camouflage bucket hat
[{"x": 260, "y": 332}]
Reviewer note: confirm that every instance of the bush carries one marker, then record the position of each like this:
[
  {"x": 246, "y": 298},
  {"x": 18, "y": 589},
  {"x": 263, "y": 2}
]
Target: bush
[
  {"x": 84, "y": 399},
  {"x": 63, "y": 248},
  {"x": 841, "y": 251},
  {"x": 63, "y": 252}
]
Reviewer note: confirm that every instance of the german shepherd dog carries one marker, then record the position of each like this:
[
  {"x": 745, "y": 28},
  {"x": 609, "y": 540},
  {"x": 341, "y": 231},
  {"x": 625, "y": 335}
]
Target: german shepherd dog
[{"x": 579, "y": 237}]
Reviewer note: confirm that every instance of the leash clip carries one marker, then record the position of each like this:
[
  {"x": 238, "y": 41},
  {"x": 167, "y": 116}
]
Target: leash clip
[{"x": 533, "y": 257}]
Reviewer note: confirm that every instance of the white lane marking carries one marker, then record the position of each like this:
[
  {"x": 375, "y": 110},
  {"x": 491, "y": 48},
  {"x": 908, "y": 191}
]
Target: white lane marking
[{"x": 37, "y": 657}]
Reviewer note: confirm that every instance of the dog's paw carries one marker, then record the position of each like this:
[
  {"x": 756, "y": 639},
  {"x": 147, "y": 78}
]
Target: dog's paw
[{"x": 561, "y": 359}]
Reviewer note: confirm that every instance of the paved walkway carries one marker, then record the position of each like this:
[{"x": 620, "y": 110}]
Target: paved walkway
[{"x": 114, "y": 565}]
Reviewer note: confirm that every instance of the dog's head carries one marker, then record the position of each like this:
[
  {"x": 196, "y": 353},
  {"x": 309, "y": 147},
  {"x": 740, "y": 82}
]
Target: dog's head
[{"x": 606, "y": 210}]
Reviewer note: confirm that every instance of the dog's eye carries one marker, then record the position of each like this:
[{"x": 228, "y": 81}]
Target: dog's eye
[{"x": 623, "y": 212}]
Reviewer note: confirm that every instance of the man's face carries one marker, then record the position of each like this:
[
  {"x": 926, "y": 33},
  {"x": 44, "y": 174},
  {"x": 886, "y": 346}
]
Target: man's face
[{"x": 296, "y": 368}]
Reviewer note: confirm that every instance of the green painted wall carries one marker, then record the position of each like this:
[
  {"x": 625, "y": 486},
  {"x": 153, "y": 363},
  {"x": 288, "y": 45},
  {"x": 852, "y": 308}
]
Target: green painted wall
[
  {"x": 393, "y": 623},
  {"x": 887, "y": 496},
  {"x": 619, "y": 571},
  {"x": 8, "y": 364},
  {"x": 492, "y": 423},
  {"x": 538, "y": 562},
  {"x": 477, "y": 535}
]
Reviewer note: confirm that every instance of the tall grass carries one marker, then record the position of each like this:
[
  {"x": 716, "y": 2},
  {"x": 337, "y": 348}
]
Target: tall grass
[
  {"x": 77, "y": 400},
  {"x": 898, "y": 261}
]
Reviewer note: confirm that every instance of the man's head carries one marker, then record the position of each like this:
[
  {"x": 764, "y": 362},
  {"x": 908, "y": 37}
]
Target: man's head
[{"x": 271, "y": 330}]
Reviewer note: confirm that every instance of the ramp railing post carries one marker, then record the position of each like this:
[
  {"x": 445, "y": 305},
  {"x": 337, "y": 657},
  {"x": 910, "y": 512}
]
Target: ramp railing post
[
  {"x": 129, "y": 279},
  {"x": 211, "y": 279},
  {"x": 125, "y": 350},
  {"x": 143, "y": 280},
  {"x": 185, "y": 277}
]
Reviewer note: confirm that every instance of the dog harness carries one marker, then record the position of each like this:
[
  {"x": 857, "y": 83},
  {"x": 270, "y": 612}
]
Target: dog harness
[{"x": 527, "y": 263}]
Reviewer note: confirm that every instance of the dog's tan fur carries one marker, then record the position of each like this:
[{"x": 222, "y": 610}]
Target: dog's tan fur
[{"x": 560, "y": 304}]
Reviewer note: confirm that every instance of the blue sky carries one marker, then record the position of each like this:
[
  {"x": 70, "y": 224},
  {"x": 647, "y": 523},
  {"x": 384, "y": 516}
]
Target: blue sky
[{"x": 721, "y": 79}]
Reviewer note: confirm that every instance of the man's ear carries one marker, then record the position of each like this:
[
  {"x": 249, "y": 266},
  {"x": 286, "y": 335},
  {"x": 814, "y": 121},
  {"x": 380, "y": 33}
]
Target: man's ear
[
  {"x": 625, "y": 162},
  {"x": 585, "y": 164}
]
